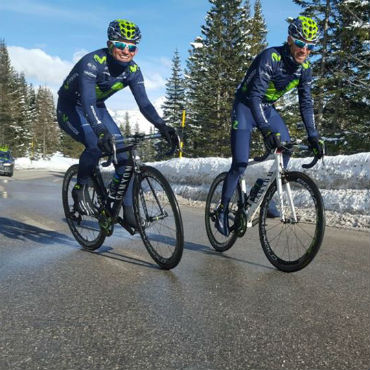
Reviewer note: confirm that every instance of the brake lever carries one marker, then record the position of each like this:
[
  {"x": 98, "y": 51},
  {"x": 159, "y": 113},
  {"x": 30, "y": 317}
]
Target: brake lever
[
  {"x": 175, "y": 144},
  {"x": 311, "y": 164}
]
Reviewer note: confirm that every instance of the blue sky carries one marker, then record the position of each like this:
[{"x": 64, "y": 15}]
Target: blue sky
[{"x": 45, "y": 38}]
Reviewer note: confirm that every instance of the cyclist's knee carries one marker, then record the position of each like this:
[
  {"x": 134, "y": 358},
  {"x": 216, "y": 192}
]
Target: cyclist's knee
[
  {"x": 93, "y": 152},
  {"x": 238, "y": 168}
]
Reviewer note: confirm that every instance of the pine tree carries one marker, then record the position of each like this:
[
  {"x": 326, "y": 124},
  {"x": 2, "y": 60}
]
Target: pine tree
[
  {"x": 127, "y": 127},
  {"x": 20, "y": 121},
  {"x": 46, "y": 132},
  {"x": 340, "y": 88},
  {"x": 69, "y": 146},
  {"x": 6, "y": 75},
  {"x": 175, "y": 94},
  {"x": 215, "y": 67},
  {"x": 174, "y": 103},
  {"x": 137, "y": 128},
  {"x": 258, "y": 30},
  {"x": 31, "y": 117},
  {"x": 196, "y": 95},
  {"x": 148, "y": 150}
]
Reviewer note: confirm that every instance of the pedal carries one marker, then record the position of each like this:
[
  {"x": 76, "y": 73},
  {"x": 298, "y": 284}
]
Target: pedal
[{"x": 75, "y": 217}]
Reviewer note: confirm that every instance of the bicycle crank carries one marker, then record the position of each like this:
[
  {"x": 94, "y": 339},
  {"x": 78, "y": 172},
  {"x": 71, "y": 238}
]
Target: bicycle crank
[
  {"x": 240, "y": 223},
  {"x": 106, "y": 223}
]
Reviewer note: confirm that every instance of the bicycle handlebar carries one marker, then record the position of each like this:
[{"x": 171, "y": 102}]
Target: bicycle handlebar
[
  {"x": 311, "y": 164},
  {"x": 288, "y": 146},
  {"x": 133, "y": 141}
]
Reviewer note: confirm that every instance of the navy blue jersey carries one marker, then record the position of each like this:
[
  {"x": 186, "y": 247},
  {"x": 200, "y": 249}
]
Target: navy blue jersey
[
  {"x": 96, "y": 77},
  {"x": 272, "y": 74}
]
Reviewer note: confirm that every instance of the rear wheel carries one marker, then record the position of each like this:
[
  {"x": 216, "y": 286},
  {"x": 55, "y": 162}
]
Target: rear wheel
[
  {"x": 158, "y": 218},
  {"x": 290, "y": 245},
  {"x": 85, "y": 229},
  {"x": 218, "y": 241}
]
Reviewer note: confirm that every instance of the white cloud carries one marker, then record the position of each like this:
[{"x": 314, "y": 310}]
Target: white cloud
[
  {"x": 39, "y": 66},
  {"x": 43, "y": 69},
  {"x": 155, "y": 81},
  {"x": 166, "y": 62},
  {"x": 78, "y": 55}
]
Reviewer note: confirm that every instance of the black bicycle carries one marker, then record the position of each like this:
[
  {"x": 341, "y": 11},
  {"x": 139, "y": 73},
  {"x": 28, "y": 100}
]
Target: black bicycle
[
  {"x": 156, "y": 211},
  {"x": 290, "y": 241}
]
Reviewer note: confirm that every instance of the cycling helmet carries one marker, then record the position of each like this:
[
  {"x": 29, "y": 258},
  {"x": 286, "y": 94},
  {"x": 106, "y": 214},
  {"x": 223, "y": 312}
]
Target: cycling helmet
[
  {"x": 304, "y": 28},
  {"x": 122, "y": 29}
]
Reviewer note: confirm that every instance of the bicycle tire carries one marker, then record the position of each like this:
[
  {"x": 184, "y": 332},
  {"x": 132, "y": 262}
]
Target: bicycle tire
[
  {"x": 160, "y": 225},
  {"x": 218, "y": 241},
  {"x": 290, "y": 246},
  {"x": 85, "y": 229}
]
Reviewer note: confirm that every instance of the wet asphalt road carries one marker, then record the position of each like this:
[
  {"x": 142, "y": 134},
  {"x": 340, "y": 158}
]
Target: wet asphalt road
[{"x": 63, "y": 308}]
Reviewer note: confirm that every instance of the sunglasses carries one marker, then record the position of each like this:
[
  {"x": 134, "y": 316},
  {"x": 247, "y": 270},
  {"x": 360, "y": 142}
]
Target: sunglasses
[
  {"x": 301, "y": 44},
  {"x": 122, "y": 46}
]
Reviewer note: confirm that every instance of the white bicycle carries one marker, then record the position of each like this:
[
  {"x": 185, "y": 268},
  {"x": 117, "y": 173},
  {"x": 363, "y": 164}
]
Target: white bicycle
[{"x": 290, "y": 241}]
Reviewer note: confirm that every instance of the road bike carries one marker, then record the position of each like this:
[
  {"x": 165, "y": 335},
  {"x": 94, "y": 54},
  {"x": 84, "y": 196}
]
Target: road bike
[
  {"x": 157, "y": 214},
  {"x": 290, "y": 241}
]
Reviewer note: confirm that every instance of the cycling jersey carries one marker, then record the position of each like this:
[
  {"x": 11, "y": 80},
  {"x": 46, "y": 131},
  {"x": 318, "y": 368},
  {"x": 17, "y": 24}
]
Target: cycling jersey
[
  {"x": 272, "y": 74},
  {"x": 81, "y": 111},
  {"x": 96, "y": 77}
]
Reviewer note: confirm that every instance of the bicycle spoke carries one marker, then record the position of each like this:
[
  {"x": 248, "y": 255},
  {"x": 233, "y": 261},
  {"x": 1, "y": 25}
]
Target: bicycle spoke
[
  {"x": 85, "y": 229},
  {"x": 290, "y": 245},
  {"x": 162, "y": 236}
]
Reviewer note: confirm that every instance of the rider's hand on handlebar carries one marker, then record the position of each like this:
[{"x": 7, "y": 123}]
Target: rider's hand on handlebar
[
  {"x": 105, "y": 141},
  {"x": 317, "y": 146},
  {"x": 168, "y": 133},
  {"x": 271, "y": 139}
]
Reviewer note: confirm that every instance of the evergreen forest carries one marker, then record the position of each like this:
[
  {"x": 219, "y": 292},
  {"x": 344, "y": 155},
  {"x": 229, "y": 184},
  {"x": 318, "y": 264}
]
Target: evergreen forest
[{"x": 233, "y": 33}]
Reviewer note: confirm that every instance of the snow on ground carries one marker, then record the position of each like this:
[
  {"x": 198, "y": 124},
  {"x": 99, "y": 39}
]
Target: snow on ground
[{"x": 344, "y": 181}]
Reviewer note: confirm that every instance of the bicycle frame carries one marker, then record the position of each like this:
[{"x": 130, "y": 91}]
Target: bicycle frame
[
  {"x": 112, "y": 211},
  {"x": 276, "y": 172}
]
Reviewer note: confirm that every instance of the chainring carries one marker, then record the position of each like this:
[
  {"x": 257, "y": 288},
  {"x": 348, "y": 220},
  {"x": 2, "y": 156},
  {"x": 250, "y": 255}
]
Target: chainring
[{"x": 240, "y": 223}]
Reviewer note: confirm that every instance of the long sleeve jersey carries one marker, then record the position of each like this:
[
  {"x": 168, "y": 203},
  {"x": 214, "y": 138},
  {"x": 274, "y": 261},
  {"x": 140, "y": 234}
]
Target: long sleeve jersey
[
  {"x": 96, "y": 77},
  {"x": 272, "y": 74}
]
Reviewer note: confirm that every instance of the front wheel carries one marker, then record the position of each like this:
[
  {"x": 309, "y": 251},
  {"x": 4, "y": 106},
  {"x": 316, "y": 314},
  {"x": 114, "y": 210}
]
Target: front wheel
[
  {"x": 292, "y": 243},
  {"x": 158, "y": 217},
  {"x": 85, "y": 229},
  {"x": 218, "y": 241}
]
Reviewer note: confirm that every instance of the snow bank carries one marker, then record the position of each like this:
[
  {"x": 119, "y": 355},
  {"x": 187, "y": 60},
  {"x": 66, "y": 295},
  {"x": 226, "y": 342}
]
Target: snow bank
[
  {"x": 344, "y": 180},
  {"x": 337, "y": 172}
]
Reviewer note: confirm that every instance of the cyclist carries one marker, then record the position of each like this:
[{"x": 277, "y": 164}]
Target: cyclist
[
  {"x": 273, "y": 72},
  {"x": 81, "y": 111}
]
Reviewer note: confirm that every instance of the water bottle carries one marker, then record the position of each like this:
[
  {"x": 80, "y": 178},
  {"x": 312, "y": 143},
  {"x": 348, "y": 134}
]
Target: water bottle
[
  {"x": 255, "y": 189},
  {"x": 119, "y": 183}
]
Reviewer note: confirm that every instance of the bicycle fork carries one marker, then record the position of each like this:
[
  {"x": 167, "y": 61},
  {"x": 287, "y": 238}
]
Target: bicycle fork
[{"x": 279, "y": 183}]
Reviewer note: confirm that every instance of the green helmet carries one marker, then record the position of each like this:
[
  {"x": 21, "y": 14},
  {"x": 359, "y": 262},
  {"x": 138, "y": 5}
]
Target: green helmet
[
  {"x": 122, "y": 29},
  {"x": 304, "y": 28}
]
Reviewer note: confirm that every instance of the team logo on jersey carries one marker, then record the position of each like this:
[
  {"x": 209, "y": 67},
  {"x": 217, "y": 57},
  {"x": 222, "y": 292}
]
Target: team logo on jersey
[
  {"x": 276, "y": 57},
  {"x": 101, "y": 60}
]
